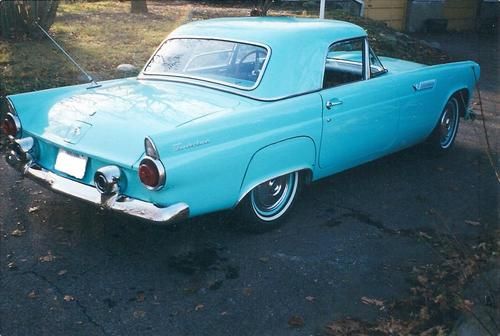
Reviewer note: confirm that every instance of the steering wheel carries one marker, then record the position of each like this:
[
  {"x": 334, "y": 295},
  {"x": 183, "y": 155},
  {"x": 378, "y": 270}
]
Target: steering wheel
[{"x": 256, "y": 69}]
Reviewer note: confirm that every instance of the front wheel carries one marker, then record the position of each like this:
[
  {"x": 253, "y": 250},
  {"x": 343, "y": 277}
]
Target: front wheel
[
  {"x": 444, "y": 134},
  {"x": 267, "y": 204}
]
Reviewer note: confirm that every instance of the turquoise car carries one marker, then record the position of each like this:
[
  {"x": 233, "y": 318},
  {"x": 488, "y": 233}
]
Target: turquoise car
[{"x": 234, "y": 113}]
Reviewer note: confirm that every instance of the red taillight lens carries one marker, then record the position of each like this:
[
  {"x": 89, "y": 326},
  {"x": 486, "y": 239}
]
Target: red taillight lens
[
  {"x": 9, "y": 126},
  {"x": 152, "y": 173},
  {"x": 148, "y": 173}
]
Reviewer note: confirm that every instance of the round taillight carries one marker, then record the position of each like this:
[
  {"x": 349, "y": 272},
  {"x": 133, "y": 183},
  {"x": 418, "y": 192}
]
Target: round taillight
[
  {"x": 151, "y": 173},
  {"x": 10, "y": 125}
]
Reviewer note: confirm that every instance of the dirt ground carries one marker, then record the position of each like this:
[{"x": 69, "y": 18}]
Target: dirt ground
[{"x": 68, "y": 269}]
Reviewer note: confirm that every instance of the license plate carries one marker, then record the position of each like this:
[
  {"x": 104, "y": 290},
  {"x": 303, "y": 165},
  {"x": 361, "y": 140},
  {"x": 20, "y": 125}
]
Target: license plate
[{"x": 71, "y": 164}]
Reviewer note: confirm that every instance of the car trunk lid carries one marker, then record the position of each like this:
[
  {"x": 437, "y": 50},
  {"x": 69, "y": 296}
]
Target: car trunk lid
[{"x": 112, "y": 121}]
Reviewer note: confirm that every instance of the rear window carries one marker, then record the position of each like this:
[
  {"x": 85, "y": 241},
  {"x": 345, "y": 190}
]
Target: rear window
[{"x": 229, "y": 63}]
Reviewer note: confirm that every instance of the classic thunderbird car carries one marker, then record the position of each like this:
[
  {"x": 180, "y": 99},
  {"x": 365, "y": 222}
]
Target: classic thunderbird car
[{"x": 234, "y": 113}]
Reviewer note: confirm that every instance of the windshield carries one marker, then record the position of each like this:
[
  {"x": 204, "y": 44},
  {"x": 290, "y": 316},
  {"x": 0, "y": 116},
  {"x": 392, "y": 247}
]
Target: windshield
[{"x": 229, "y": 63}]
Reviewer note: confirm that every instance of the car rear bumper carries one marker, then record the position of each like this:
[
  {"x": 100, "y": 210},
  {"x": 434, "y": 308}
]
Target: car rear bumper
[{"x": 115, "y": 202}]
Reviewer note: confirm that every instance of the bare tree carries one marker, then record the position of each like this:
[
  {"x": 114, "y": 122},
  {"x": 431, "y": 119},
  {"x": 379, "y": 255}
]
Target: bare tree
[
  {"x": 261, "y": 7},
  {"x": 139, "y": 6}
]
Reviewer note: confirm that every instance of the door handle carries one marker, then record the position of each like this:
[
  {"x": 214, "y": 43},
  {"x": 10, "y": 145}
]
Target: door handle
[{"x": 333, "y": 102}]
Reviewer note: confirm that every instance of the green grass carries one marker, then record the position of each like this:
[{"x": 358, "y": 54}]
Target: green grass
[{"x": 99, "y": 36}]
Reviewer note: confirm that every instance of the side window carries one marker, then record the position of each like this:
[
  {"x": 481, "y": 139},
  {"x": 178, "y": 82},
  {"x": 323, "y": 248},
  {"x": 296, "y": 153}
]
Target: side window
[{"x": 344, "y": 63}]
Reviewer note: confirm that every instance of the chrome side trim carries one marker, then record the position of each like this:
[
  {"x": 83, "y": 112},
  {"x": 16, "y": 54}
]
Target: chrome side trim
[
  {"x": 227, "y": 90},
  {"x": 425, "y": 85}
]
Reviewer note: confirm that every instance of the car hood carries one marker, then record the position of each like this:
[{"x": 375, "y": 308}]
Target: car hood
[{"x": 111, "y": 122}]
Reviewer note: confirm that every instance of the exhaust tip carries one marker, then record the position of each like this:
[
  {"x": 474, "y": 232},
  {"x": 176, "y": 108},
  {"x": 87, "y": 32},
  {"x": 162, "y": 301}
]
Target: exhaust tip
[{"x": 106, "y": 180}]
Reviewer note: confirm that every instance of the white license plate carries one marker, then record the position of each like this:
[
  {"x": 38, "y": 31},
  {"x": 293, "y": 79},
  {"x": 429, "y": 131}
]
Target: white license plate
[{"x": 71, "y": 164}]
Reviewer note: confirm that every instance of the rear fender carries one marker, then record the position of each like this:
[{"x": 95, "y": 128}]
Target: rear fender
[{"x": 278, "y": 159}]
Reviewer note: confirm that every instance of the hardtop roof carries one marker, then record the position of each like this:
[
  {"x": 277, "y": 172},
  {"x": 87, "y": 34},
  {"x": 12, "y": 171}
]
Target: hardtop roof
[
  {"x": 298, "y": 49},
  {"x": 269, "y": 30}
]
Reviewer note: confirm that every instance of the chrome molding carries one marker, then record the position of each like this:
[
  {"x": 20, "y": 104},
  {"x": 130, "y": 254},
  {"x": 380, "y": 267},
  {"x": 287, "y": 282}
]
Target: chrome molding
[
  {"x": 17, "y": 121},
  {"x": 10, "y": 106},
  {"x": 148, "y": 143},
  {"x": 425, "y": 85},
  {"x": 366, "y": 58}
]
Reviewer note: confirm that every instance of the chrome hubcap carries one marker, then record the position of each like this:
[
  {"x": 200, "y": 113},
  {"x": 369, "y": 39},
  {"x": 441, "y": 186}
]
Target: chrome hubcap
[
  {"x": 269, "y": 195},
  {"x": 272, "y": 198},
  {"x": 449, "y": 123}
]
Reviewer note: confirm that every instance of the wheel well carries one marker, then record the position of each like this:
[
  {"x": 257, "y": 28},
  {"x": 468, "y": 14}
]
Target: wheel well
[
  {"x": 306, "y": 176},
  {"x": 463, "y": 100}
]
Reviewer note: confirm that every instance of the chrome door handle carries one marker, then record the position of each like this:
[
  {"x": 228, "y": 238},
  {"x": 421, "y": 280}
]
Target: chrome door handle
[{"x": 333, "y": 102}]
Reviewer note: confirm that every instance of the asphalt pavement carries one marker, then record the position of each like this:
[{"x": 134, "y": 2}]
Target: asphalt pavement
[{"x": 67, "y": 268}]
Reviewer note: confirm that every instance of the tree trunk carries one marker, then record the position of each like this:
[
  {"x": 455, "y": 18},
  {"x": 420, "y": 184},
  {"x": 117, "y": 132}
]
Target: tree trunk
[
  {"x": 261, "y": 7},
  {"x": 139, "y": 6},
  {"x": 18, "y": 17}
]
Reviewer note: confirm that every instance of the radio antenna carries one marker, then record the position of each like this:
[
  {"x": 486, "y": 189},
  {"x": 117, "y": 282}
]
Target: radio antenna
[{"x": 93, "y": 83}]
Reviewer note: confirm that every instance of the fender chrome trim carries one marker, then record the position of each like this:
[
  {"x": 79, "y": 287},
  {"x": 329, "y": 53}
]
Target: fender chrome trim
[{"x": 118, "y": 203}]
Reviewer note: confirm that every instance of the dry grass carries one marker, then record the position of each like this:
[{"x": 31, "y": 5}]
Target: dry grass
[{"x": 99, "y": 35}]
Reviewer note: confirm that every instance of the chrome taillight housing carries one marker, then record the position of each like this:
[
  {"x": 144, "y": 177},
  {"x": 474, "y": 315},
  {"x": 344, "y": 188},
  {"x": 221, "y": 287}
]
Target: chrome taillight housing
[
  {"x": 11, "y": 126},
  {"x": 151, "y": 171}
]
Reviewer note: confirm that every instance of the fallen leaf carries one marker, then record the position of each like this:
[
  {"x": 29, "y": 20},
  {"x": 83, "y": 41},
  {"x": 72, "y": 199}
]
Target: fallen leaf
[
  {"x": 140, "y": 296},
  {"x": 17, "y": 232},
  {"x": 425, "y": 235},
  {"x": 424, "y": 314},
  {"x": 139, "y": 313},
  {"x": 310, "y": 298},
  {"x": 473, "y": 223},
  {"x": 68, "y": 298},
  {"x": 33, "y": 209},
  {"x": 247, "y": 291},
  {"x": 12, "y": 265},
  {"x": 468, "y": 305},
  {"x": 62, "y": 272},
  {"x": 296, "y": 321},
  {"x": 48, "y": 258},
  {"x": 375, "y": 302},
  {"x": 199, "y": 307},
  {"x": 33, "y": 294},
  {"x": 422, "y": 280}
]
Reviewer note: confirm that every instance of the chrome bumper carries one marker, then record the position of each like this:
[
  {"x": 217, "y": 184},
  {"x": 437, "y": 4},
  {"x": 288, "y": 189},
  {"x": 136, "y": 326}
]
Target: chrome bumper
[
  {"x": 119, "y": 203},
  {"x": 115, "y": 202}
]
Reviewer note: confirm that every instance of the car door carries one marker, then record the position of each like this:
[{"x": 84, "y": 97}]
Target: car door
[{"x": 360, "y": 107}]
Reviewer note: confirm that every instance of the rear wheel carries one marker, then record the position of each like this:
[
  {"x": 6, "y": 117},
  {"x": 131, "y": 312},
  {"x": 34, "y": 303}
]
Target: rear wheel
[
  {"x": 443, "y": 136},
  {"x": 266, "y": 205}
]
